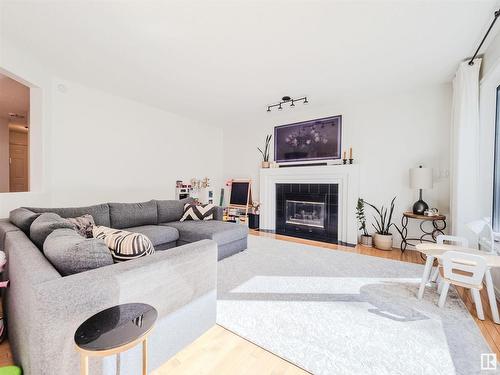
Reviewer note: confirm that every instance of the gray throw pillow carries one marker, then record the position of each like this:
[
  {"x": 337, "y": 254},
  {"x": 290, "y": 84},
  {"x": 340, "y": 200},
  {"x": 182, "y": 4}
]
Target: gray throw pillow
[
  {"x": 44, "y": 225},
  {"x": 71, "y": 253},
  {"x": 23, "y": 218},
  {"x": 83, "y": 225}
]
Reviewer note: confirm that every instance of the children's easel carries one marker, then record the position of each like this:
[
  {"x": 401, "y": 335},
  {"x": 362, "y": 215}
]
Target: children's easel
[{"x": 241, "y": 195}]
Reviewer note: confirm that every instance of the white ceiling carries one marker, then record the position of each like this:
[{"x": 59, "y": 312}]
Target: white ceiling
[
  {"x": 15, "y": 98},
  {"x": 217, "y": 61}
]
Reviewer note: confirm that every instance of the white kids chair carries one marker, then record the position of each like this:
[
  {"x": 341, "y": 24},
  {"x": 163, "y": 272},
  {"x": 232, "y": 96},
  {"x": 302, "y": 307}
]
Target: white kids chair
[
  {"x": 465, "y": 270},
  {"x": 455, "y": 240}
]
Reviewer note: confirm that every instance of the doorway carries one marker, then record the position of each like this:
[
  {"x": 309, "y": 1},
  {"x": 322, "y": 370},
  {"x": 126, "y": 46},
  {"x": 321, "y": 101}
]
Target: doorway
[{"x": 14, "y": 135}]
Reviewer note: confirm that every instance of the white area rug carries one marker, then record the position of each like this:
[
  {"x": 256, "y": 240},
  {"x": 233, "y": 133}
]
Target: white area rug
[{"x": 332, "y": 312}]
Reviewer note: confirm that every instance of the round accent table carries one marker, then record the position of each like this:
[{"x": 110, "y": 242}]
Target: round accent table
[
  {"x": 428, "y": 235},
  {"x": 115, "y": 330}
]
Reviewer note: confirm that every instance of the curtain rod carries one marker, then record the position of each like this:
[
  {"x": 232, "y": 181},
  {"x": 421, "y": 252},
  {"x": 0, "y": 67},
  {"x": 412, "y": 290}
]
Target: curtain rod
[{"x": 497, "y": 13}]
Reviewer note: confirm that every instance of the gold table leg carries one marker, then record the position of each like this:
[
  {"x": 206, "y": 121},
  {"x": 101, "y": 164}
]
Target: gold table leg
[
  {"x": 84, "y": 364},
  {"x": 145, "y": 357}
]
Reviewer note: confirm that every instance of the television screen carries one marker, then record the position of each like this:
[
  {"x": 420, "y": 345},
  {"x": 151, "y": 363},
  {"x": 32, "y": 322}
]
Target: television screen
[{"x": 308, "y": 140}]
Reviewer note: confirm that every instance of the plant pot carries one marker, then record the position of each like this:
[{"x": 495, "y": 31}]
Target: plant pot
[
  {"x": 366, "y": 240},
  {"x": 382, "y": 241},
  {"x": 265, "y": 164}
]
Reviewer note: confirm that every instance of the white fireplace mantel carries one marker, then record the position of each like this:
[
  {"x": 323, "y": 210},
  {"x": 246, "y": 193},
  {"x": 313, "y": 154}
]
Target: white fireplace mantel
[{"x": 346, "y": 176}]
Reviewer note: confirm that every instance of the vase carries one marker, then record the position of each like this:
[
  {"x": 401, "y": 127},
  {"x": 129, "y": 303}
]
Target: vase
[
  {"x": 366, "y": 240},
  {"x": 265, "y": 164},
  {"x": 383, "y": 241}
]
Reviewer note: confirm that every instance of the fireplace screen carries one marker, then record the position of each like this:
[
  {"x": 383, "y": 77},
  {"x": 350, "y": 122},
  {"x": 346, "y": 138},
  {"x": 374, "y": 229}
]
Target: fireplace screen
[{"x": 310, "y": 214}]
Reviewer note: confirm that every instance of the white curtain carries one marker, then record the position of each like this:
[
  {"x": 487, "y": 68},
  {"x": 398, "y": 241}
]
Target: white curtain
[{"x": 465, "y": 149}]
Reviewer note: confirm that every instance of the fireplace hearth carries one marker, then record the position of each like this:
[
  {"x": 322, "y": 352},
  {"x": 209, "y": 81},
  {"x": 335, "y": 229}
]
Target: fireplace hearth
[{"x": 308, "y": 211}]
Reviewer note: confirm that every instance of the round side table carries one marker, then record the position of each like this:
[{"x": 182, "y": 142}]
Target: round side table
[
  {"x": 115, "y": 330},
  {"x": 428, "y": 235}
]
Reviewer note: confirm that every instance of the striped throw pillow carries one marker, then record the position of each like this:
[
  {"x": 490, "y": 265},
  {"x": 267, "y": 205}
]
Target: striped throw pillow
[
  {"x": 193, "y": 211},
  {"x": 124, "y": 245}
]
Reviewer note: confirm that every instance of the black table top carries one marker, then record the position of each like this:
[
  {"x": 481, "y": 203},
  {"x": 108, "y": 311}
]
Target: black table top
[{"x": 115, "y": 327}]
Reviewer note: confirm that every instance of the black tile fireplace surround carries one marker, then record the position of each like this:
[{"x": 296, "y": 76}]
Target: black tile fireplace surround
[{"x": 308, "y": 211}]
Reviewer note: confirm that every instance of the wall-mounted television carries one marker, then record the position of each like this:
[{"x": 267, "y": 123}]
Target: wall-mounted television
[{"x": 311, "y": 140}]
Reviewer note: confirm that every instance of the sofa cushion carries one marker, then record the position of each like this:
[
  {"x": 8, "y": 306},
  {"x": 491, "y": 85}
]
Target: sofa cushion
[
  {"x": 126, "y": 215},
  {"x": 219, "y": 231},
  {"x": 71, "y": 253},
  {"x": 171, "y": 210},
  {"x": 99, "y": 212},
  {"x": 157, "y": 234},
  {"x": 44, "y": 225},
  {"x": 23, "y": 218},
  {"x": 124, "y": 245},
  {"x": 193, "y": 211}
]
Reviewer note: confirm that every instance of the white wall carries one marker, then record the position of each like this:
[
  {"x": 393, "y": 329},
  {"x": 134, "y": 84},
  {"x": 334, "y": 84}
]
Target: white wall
[
  {"x": 4, "y": 155},
  {"x": 389, "y": 134},
  {"x": 87, "y": 146},
  {"x": 112, "y": 149},
  {"x": 491, "y": 56}
]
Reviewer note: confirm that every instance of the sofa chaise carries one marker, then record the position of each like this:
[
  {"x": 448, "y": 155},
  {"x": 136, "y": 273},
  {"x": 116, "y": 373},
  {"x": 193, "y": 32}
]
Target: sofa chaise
[{"x": 44, "y": 308}]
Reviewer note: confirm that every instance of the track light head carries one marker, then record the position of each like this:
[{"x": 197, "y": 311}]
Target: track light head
[
  {"x": 268, "y": 109},
  {"x": 305, "y": 100},
  {"x": 293, "y": 104},
  {"x": 280, "y": 107}
]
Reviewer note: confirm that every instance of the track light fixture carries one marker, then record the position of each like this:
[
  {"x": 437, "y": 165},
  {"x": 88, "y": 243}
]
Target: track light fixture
[{"x": 287, "y": 99}]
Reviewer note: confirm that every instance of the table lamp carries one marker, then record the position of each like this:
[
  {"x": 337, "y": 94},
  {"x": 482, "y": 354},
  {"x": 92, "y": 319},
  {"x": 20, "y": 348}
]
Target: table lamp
[{"x": 420, "y": 178}]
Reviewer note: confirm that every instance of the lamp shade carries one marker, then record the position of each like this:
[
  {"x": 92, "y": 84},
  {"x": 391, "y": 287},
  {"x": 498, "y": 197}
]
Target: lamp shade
[{"x": 421, "y": 178}]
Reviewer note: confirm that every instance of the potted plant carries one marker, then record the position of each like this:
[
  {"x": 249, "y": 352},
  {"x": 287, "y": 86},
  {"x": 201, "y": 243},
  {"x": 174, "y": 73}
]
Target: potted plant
[
  {"x": 265, "y": 153},
  {"x": 366, "y": 239},
  {"x": 383, "y": 222}
]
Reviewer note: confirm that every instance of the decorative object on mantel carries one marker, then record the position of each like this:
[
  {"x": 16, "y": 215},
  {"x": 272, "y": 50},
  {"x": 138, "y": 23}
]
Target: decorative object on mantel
[
  {"x": 344, "y": 160},
  {"x": 366, "y": 239},
  {"x": 265, "y": 153},
  {"x": 285, "y": 100},
  {"x": 308, "y": 141},
  {"x": 420, "y": 178},
  {"x": 382, "y": 237}
]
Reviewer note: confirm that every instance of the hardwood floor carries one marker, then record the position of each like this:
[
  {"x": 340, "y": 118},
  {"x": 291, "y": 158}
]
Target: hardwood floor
[
  {"x": 221, "y": 352},
  {"x": 5, "y": 354}
]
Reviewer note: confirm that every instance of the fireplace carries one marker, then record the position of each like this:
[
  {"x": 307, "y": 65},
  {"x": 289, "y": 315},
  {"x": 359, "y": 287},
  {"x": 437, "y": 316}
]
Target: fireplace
[{"x": 308, "y": 211}]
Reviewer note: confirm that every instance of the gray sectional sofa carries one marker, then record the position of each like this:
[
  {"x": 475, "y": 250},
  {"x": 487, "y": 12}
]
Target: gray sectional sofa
[{"x": 44, "y": 308}]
